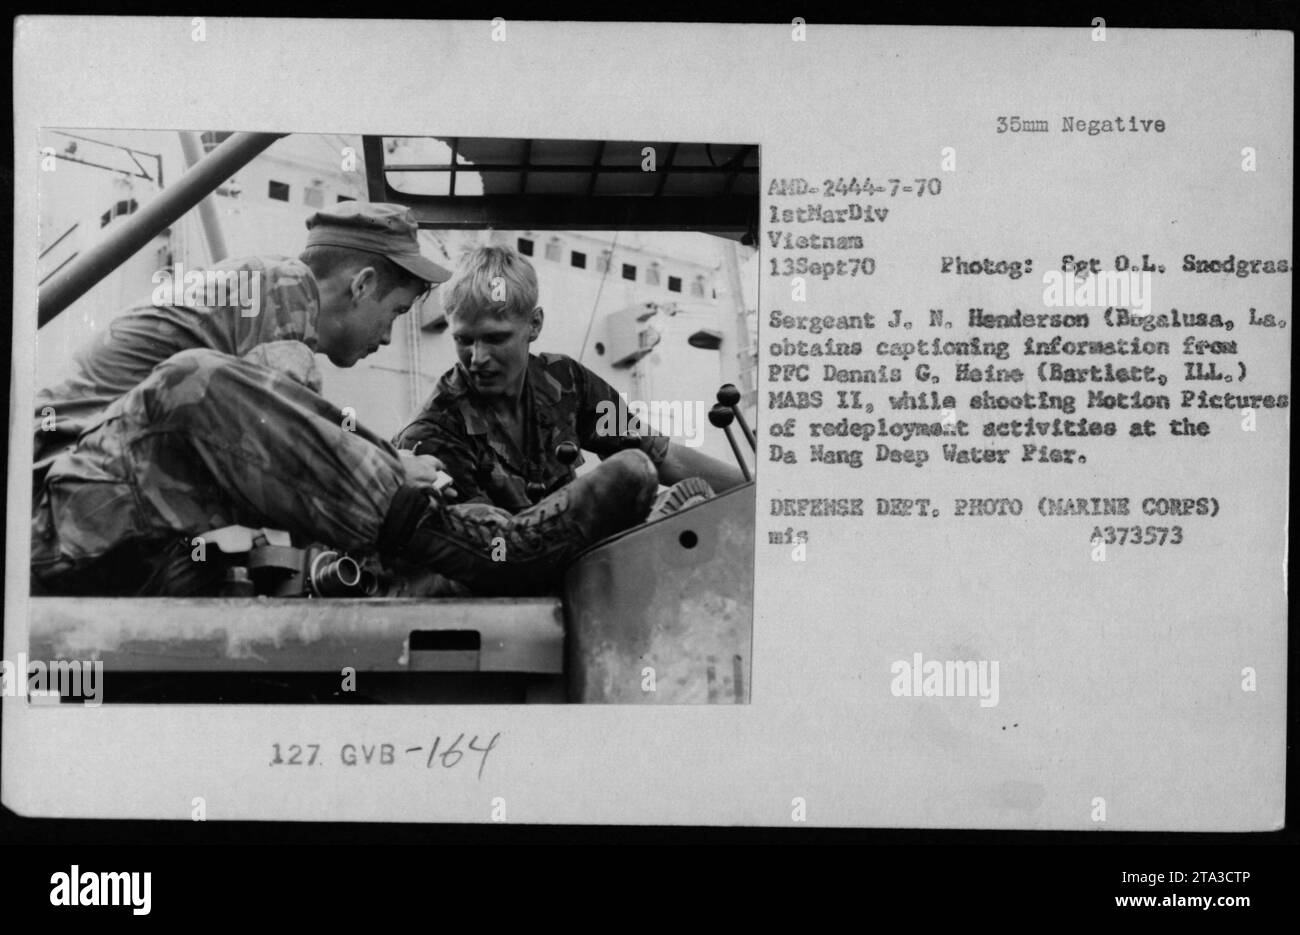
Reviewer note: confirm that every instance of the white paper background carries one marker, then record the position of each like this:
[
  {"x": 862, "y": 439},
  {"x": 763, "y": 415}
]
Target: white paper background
[{"x": 1122, "y": 678}]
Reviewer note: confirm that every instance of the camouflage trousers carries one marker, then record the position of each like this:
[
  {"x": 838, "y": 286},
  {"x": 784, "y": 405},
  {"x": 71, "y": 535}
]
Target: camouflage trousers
[{"x": 209, "y": 440}]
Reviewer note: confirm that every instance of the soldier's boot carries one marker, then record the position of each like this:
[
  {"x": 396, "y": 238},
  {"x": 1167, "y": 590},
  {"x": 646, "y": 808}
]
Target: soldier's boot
[
  {"x": 682, "y": 495},
  {"x": 497, "y": 553}
]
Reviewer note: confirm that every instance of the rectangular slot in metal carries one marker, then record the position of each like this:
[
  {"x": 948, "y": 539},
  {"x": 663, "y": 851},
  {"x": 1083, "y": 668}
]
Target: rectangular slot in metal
[{"x": 445, "y": 650}]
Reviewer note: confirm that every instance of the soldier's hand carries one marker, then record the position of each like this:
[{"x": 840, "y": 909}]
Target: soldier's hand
[{"x": 427, "y": 471}]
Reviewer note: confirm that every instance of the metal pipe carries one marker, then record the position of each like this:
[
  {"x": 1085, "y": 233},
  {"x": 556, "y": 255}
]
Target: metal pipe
[
  {"x": 729, "y": 396},
  {"x": 334, "y": 575},
  {"x": 193, "y": 150},
  {"x": 137, "y": 230},
  {"x": 744, "y": 427},
  {"x": 735, "y": 290},
  {"x": 720, "y": 416},
  {"x": 735, "y": 450}
]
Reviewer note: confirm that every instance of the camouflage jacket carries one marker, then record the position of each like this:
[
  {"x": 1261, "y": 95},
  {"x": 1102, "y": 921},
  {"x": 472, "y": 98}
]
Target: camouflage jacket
[
  {"x": 287, "y": 301},
  {"x": 563, "y": 402}
]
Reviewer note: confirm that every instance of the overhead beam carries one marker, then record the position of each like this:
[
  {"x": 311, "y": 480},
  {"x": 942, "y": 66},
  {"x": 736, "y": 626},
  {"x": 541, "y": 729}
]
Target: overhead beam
[
  {"x": 737, "y": 165},
  {"x": 523, "y": 175},
  {"x": 573, "y": 169},
  {"x": 730, "y": 215},
  {"x": 595, "y": 168},
  {"x": 665, "y": 169},
  {"x": 372, "y": 147},
  {"x": 560, "y": 212}
]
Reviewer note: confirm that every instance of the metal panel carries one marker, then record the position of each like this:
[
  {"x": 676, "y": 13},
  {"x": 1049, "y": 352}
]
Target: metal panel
[
  {"x": 676, "y": 596},
  {"x": 293, "y": 635}
]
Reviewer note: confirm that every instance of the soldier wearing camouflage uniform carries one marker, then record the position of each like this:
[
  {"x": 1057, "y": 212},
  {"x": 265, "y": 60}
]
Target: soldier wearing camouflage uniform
[
  {"x": 179, "y": 419},
  {"x": 561, "y": 402},
  {"x": 499, "y": 418}
]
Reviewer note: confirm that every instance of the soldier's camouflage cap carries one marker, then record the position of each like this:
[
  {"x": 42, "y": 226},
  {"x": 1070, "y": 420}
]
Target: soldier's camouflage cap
[{"x": 387, "y": 229}]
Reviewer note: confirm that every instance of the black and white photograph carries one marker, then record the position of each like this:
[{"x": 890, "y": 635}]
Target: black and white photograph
[
  {"x": 373, "y": 418},
  {"x": 727, "y": 429}
]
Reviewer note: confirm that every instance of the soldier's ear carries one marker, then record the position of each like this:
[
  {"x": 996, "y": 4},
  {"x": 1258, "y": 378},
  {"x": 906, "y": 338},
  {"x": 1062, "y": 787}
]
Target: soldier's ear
[
  {"x": 362, "y": 281},
  {"x": 535, "y": 324}
]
